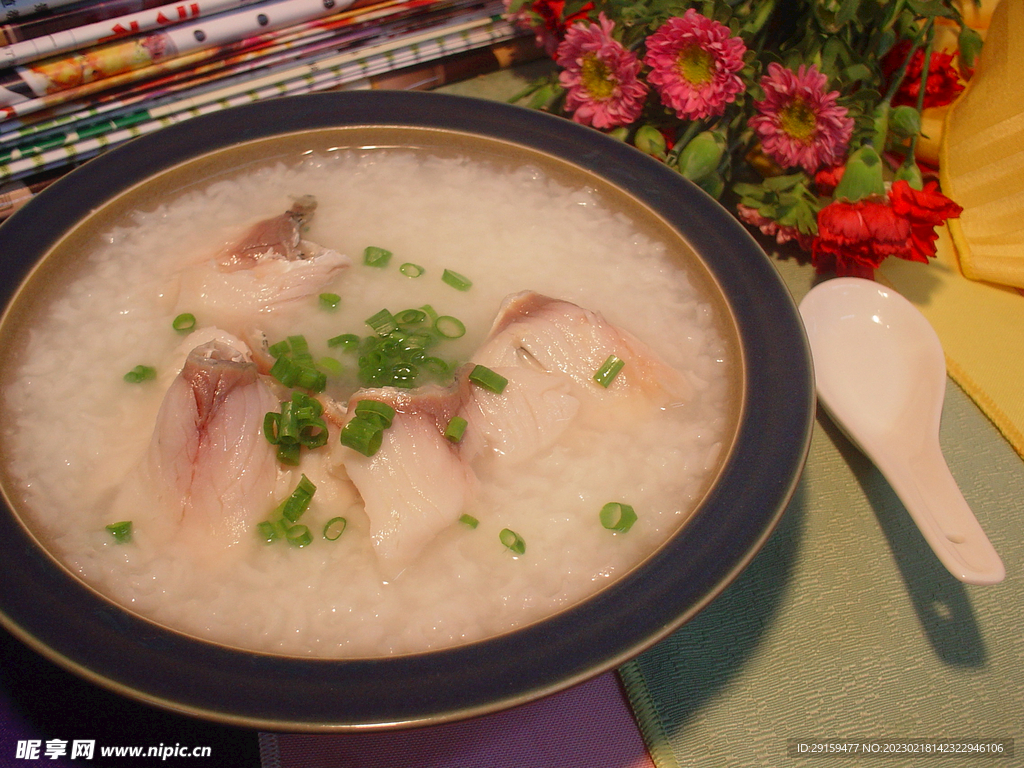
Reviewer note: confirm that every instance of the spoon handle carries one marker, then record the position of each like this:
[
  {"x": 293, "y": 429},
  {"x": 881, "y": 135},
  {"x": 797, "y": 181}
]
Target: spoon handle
[{"x": 930, "y": 493}]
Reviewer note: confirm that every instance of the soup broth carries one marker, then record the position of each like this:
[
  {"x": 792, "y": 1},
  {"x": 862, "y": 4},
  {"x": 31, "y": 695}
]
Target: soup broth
[{"x": 76, "y": 431}]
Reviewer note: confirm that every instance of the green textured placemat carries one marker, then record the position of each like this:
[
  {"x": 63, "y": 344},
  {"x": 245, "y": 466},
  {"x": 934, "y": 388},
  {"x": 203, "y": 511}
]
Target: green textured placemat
[{"x": 846, "y": 626}]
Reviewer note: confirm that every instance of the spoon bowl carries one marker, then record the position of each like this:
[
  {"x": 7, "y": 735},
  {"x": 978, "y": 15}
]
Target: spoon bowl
[{"x": 880, "y": 373}]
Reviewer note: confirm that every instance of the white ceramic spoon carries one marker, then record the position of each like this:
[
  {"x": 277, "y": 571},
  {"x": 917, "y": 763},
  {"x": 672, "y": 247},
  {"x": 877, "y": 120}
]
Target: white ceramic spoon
[{"x": 881, "y": 374}]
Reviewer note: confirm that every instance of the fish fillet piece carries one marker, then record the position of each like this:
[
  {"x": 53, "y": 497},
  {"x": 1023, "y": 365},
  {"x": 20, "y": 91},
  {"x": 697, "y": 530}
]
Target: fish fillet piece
[
  {"x": 539, "y": 333},
  {"x": 529, "y": 415},
  {"x": 417, "y": 483},
  {"x": 208, "y": 463},
  {"x": 271, "y": 266}
]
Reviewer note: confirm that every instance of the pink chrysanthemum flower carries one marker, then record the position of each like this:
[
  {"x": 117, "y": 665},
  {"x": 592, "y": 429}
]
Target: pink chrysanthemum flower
[
  {"x": 600, "y": 76},
  {"x": 694, "y": 61},
  {"x": 798, "y": 123}
]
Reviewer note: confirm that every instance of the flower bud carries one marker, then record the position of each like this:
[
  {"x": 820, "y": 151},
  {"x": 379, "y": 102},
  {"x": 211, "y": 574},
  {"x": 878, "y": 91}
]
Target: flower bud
[
  {"x": 650, "y": 140},
  {"x": 701, "y": 156},
  {"x": 862, "y": 177},
  {"x": 905, "y": 121},
  {"x": 910, "y": 173},
  {"x": 712, "y": 183},
  {"x": 620, "y": 133}
]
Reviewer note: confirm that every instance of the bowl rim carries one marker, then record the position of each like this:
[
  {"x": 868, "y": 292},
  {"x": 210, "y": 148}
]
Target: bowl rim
[{"x": 67, "y": 622}]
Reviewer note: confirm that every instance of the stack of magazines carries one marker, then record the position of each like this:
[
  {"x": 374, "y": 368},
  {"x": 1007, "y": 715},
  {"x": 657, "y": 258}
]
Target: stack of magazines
[{"x": 77, "y": 78}]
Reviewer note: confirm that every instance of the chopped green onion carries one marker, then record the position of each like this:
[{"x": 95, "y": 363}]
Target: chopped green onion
[
  {"x": 346, "y": 341},
  {"x": 272, "y": 427},
  {"x": 329, "y": 300},
  {"x": 289, "y": 453},
  {"x": 294, "y": 366},
  {"x": 299, "y": 536},
  {"x": 280, "y": 348},
  {"x": 267, "y": 531},
  {"x": 450, "y": 327},
  {"x": 312, "y": 379},
  {"x": 456, "y": 429},
  {"x": 512, "y": 540},
  {"x": 383, "y": 323},
  {"x": 469, "y": 520},
  {"x": 411, "y": 270},
  {"x": 186, "y": 321},
  {"x": 140, "y": 373},
  {"x": 299, "y": 347},
  {"x": 376, "y": 257},
  {"x": 377, "y": 408},
  {"x": 616, "y": 516},
  {"x": 122, "y": 532},
  {"x": 363, "y": 434},
  {"x": 456, "y": 281},
  {"x": 334, "y": 528},
  {"x": 330, "y": 365},
  {"x": 488, "y": 379},
  {"x": 436, "y": 366},
  {"x": 295, "y": 505},
  {"x": 431, "y": 313},
  {"x": 609, "y": 370},
  {"x": 410, "y": 317}
]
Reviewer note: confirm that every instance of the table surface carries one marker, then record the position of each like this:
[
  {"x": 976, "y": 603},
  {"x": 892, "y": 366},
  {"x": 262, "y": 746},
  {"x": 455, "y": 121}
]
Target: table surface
[{"x": 845, "y": 627}]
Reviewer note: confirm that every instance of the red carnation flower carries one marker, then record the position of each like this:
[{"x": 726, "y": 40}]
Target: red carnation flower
[
  {"x": 943, "y": 84},
  {"x": 925, "y": 209},
  {"x": 855, "y": 238}
]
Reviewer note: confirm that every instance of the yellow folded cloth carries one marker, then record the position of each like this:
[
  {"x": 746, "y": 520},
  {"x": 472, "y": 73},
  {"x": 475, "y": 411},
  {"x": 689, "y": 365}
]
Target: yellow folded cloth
[
  {"x": 981, "y": 158},
  {"x": 981, "y": 327}
]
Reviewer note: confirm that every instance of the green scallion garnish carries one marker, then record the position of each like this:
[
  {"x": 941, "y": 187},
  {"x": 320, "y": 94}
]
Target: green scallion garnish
[
  {"x": 363, "y": 434},
  {"x": 329, "y": 300},
  {"x": 347, "y": 341},
  {"x": 618, "y": 517},
  {"x": 377, "y": 408},
  {"x": 139, "y": 374},
  {"x": 449, "y": 327},
  {"x": 280, "y": 348},
  {"x": 456, "y": 429},
  {"x": 411, "y": 270},
  {"x": 184, "y": 322},
  {"x": 331, "y": 366},
  {"x": 293, "y": 507},
  {"x": 297, "y": 425},
  {"x": 299, "y": 536},
  {"x": 410, "y": 317},
  {"x": 383, "y": 323},
  {"x": 376, "y": 257},
  {"x": 122, "y": 531},
  {"x": 469, "y": 520},
  {"x": 609, "y": 370},
  {"x": 488, "y": 379},
  {"x": 269, "y": 532},
  {"x": 512, "y": 541},
  {"x": 282, "y": 523},
  {"x": 334, "y": 528},
  {"x": 456, "y": 281}
]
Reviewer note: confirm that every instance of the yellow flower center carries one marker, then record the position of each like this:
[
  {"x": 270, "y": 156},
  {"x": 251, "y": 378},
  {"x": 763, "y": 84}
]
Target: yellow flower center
[
  {"x": 798, "y": 121},
  {"x": 595, "y": 75},
  {"x": 695, "y": 65}
]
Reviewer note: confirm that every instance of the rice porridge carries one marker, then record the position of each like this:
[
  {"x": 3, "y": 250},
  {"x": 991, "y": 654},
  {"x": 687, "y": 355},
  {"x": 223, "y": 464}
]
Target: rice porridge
[{"x": 442, "y": 540}]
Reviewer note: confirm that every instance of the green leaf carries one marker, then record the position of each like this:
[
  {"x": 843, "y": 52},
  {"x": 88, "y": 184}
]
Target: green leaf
[
  {"x": 970, "y": 44},
  {"x": 856, "y": 72},
  {"x": 932, "y": 8},
  {"x": 847, "y": 12}
]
